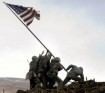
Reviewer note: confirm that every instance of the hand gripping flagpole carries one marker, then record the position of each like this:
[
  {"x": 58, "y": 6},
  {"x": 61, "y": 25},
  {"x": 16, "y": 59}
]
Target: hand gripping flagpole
[
  {"x": 30, "y": 30},
  {"x": 32, "y": 33}
]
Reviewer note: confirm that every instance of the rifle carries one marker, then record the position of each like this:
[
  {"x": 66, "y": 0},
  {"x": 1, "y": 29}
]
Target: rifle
[{"x": 28, "y": 62}]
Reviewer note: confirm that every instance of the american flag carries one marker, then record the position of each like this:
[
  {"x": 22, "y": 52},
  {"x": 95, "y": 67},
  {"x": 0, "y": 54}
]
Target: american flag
[{"x": 26, "y": 13}]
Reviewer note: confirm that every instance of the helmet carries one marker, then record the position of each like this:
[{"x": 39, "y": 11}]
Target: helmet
[
  {"x": 81, "y": 68},
  {"x": 52, "y": 60},
  {"x": 34, "y": 58},
  {"x": 57, "y": 59}
]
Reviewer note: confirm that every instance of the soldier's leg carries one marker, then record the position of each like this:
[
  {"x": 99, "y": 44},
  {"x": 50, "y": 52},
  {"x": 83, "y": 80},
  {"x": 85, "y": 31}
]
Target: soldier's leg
[
  {"x": 77, "y": 79},
  {"x": 37, "y": 82},
  {"x": 31, "y": 83},
  {"x": 66, "y": 80},
  {"x": 59, "y": 81},
  {"x": 44, "y": 81},
  {"x": 34, "y": 82},
  {"x": 51, "y": 83},
  {"x": 42, "y": 78}
]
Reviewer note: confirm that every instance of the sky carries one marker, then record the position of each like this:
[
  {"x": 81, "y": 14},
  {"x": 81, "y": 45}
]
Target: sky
[{"x": 71, "y": 29}]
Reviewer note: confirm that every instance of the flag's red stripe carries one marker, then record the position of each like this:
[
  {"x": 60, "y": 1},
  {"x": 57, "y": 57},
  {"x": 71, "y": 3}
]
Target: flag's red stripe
[
  {"x": 32, "y": 15},
  {"x": 37, "y": 15},
  {"x": 29, "y": 23},
  {"x": 26, "y": 13}
]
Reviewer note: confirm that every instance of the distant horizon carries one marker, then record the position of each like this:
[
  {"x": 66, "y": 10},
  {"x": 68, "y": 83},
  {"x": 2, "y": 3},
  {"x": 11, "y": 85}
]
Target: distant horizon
[
  {"x": 28, "y": 79},
  {"x": 13, "y": 77}
]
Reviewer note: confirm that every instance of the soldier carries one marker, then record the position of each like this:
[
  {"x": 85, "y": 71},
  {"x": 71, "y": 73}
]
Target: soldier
[
  {"x": 55, "y": 67},
  {"x": 32, "y": 74},
  {"x": 74, "y": 73},
  {"x": 43, "y": 67}
]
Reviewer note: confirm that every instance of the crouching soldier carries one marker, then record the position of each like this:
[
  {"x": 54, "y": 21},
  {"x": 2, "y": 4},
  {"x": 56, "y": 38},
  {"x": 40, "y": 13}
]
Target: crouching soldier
[{"x": 74, "y": 74}]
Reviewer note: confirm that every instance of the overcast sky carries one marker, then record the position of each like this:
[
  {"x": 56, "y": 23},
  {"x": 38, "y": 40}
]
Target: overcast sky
[{"x": 73, "y": 30}]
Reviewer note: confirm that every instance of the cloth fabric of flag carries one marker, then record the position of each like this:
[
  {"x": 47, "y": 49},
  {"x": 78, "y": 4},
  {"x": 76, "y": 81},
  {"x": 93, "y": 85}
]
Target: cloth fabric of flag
[{"x": 26, "y": 13}]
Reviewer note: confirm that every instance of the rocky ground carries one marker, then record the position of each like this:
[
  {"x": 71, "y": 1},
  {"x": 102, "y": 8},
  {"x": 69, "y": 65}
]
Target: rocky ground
[
  {"x": 83, "y": 87},
  {"x": 16, "y": 85}
]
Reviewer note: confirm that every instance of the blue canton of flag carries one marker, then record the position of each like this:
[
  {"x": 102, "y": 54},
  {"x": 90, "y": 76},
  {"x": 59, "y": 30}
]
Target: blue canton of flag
[
  {"x": 18, "y": 9},
  {"x": 26, "y": 13}
]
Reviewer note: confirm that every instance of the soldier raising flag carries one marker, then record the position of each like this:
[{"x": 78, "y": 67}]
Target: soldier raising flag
[{"x": 27, "y": 15}]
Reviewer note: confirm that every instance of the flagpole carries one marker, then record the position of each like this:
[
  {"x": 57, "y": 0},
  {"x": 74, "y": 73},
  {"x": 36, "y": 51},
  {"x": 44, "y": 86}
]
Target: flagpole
[{"x": 30, "y": 30}]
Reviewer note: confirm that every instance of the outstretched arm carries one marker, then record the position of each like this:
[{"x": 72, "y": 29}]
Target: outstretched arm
[{"x": 70, "y": 66}]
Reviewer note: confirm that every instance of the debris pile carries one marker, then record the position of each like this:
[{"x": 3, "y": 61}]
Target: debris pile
[
  {"x": 86, "y": 87},
  {"x": 75, "y": 87}
]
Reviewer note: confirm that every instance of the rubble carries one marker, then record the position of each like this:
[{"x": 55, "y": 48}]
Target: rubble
[{"x": 89, "y": 86}]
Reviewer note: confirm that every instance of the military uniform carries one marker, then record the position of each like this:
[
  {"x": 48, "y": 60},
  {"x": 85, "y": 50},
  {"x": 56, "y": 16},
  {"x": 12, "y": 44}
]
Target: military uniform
[
  {"x": 55, "y": 67},
  {"x": 32, "y": 74},
  {"x": 74, "y": 73},
  {"x": 43, "y": 67}
]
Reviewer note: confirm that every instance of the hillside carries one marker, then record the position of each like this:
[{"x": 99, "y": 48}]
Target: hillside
[
  {"x": 83, "y": 87},
  {"x": 11, "y": 85},
  {"x": 18, "y": 85}
]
